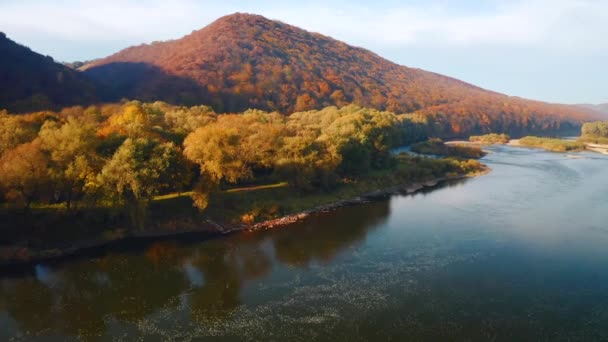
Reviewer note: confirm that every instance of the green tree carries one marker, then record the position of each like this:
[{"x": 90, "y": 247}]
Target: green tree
[
  {"x": 73, "y": 163},
  {"x": 185, "y": 120},
  {"x": 133, "y": 176},
  {"x": 308, "y": 162},
  {"x": 217, "y": 150}
]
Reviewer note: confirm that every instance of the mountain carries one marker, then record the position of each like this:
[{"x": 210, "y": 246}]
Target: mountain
[
  {"x": 245, "y": 61},
  {"x": 600, "y": 108},
  {"x": 30, "y": 81}
]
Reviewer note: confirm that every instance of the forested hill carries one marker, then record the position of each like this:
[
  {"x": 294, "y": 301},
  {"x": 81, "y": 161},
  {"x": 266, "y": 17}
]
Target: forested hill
[
  {"x": 30, "y": 81},
  {"x": 600, "y": 108},
  {"x": 243, "y": 61},
  {"x": 247, "y": 61}
]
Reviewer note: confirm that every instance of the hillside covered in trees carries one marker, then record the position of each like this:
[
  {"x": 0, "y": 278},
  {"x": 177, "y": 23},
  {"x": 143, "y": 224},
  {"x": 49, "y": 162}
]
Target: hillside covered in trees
[
  {"x": 601, "y": 108},
  {"x": 30, "y": 81},
  {"x": 246, "y": 61}
]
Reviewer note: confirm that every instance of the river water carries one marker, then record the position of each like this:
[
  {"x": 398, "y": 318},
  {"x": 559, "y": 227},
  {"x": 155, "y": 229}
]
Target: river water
[{"x": 518, "y": 254}]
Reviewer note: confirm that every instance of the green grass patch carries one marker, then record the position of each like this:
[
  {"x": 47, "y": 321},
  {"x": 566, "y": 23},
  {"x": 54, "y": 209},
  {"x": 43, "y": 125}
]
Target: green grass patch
[
  {"x": 552, "y": 144},
  {"x": 259, "y": 187}
]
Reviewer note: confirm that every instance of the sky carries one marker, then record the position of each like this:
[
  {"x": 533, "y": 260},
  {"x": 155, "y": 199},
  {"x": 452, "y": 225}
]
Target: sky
[{"x": 550, "y": 50}]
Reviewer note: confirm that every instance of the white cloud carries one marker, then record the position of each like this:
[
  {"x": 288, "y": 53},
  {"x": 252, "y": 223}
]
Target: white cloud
[{"x": 557, "y": 24}]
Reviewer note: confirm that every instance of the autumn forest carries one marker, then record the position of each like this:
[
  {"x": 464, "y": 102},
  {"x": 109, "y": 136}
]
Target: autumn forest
[{"x": 244, "y": 103}]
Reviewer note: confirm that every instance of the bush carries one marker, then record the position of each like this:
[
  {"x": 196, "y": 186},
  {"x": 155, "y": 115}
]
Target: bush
[
  {"x": 490, "y": 139},
  {"x": 437, "y": 147}
]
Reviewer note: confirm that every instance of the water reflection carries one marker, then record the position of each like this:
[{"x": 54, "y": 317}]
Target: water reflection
[
  {"x": 81, "y": 298},
  {"x": 339, "y": 231}
]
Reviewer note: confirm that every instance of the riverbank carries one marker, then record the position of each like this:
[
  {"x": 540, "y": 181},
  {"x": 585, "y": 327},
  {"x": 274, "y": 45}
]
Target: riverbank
[
  {"x": 599, "y": 148},
  {"x": 23, "y": 255},
  {"x": 558, "y": 145}
]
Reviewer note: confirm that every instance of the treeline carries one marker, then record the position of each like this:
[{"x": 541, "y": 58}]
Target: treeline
[
  {"x": 596, "y": 132},
  {"x": 125, "y": 154},
  {"x": 487, "y": 113}
]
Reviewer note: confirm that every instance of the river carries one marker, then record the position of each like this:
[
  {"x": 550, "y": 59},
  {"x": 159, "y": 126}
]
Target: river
[{"x": 518, "y": 254}]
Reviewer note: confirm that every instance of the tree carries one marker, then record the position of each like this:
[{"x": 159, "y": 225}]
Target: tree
[
  {"x": 14, "y": 130},
  {"x": 24, "y": 173},
  {"x": 304, "y": 102},
  {"x": 70, "y": 147},
  {"x": 217, "y": 150},
  {"x": 595, "y": 129},
  {"x": 185, "y": 120},
  {"x": 308, "y": 162},
  {"x": 133, "y": 175},
  {"x": 131, "y": 121}
]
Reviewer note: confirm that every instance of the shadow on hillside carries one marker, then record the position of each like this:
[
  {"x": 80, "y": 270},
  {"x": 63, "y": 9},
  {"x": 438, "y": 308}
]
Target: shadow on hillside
[{"x": 146, "y": 82}]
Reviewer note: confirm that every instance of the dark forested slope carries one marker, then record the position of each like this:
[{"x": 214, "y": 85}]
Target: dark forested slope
[{"x": 30, "y": 81}]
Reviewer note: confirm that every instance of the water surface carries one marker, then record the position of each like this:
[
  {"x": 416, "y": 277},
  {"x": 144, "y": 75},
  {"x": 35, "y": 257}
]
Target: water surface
[{"x": 519, "y": 254}]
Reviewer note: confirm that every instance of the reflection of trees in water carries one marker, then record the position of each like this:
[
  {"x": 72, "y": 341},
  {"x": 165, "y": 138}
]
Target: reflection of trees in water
[
  {"x": 85, "y": 295},
  {"x": 29, "y": 303},
  {"x": 322, "y": 237},
  {"x": 127, "y": 288},
  {"x": 37, "y": 307},
  {"x": 131, "y": 287},
  {"x": 455, "y": 183},
  {"x": 226, "y": 266}
]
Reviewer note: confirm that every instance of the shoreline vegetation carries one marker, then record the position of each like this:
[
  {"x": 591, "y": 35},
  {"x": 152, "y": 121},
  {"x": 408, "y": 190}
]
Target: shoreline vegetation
[
  {"x": 552, "y": 144},
  {"x": 436, "y": 147},
  {"x": 209, "y": 228},
  {"x": 104, "y": 173},
  {"x": 85, "y": 177},
  {"x": 559, "y": 145},
  {"x": 594, "y": 137}
]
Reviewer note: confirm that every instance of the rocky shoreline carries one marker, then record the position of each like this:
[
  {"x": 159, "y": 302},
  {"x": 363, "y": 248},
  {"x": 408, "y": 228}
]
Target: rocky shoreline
[{"x": 15, "y": 256}]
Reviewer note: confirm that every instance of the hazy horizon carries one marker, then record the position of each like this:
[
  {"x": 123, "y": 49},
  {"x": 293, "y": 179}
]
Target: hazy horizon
[{"x": 544, "y": 50}]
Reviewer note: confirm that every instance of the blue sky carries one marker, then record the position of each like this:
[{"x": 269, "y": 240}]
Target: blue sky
[{"x": 552, "y": 50}]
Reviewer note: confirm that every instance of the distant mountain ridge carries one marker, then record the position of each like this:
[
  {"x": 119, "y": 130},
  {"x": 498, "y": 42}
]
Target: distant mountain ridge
[
  {"x": 30, "y": 81},
  {"x": 600, "y": 108}
]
